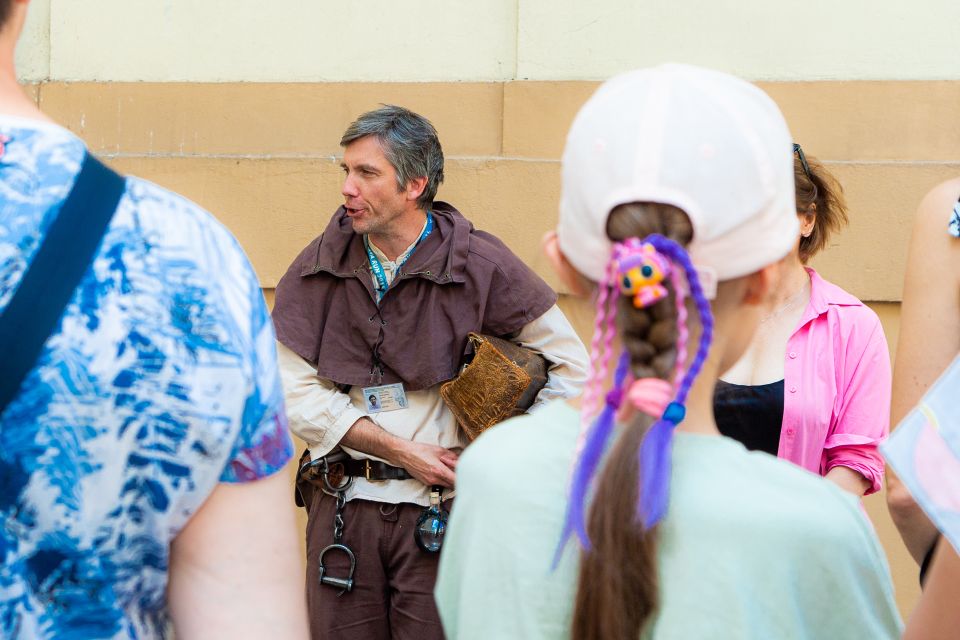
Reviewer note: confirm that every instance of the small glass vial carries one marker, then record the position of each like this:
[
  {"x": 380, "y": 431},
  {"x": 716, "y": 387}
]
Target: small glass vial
[{"x": 432, "y": 523}]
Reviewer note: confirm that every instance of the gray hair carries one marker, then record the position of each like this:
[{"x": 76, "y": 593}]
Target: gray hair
[{"x": 409, "y": 142}]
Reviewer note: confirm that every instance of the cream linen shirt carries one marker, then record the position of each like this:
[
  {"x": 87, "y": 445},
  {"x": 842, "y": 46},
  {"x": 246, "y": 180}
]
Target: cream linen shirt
[{"x": 321, "y": 415}]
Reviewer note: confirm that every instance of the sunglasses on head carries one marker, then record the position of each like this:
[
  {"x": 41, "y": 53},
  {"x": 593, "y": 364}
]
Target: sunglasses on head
[{"x": 797, "y": 149}]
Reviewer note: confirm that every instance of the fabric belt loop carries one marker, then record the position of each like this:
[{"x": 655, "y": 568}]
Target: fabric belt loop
[{"x": 389, "y": 512}]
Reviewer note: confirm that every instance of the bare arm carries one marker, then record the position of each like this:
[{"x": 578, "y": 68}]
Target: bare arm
[
  {"x": 235, "y": 569},
  {"x": 915, "y": 528},
  {"x": 324, "y": 417},
  {"x": 848, "y": 480},
  {"x": 427, "y": 463},
  {"x": 929, "y": 338},
  {"x": 937, "y": 615}
]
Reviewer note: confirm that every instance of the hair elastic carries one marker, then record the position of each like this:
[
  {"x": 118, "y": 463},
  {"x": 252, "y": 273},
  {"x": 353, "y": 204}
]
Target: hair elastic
[{"x": 650, "y": 395}]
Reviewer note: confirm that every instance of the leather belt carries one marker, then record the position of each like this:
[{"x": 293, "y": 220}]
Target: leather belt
[
  {"x": 372, "y": 470},
  {"x": 340, "y": 466}
]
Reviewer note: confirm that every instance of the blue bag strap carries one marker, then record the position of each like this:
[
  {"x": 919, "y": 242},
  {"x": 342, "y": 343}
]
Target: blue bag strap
[{"x": 63, "y": 258}]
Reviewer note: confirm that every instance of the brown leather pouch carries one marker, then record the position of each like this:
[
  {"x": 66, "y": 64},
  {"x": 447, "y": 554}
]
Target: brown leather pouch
[
  {"x": 501, "y": 381},
  {"x": 307, "y": 482}
]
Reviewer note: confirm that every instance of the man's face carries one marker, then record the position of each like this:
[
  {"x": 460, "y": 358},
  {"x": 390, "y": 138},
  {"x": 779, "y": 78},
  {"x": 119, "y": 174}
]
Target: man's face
[{"x": 370, "y": 192}]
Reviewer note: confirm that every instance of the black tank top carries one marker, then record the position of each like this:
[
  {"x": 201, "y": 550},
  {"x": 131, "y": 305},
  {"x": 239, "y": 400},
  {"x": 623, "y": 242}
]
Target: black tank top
[{"x": 750, "y": 414}]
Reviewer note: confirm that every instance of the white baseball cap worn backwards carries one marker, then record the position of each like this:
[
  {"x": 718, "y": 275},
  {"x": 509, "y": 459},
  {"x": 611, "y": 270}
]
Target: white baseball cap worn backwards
[{"x": 713, "y": 145}]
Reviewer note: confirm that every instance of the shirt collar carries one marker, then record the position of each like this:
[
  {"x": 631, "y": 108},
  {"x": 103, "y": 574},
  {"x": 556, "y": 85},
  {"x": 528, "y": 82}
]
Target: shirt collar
[
  {"x": 443, "y": 258},
  {"x": 823, "y": 295},
  {"x": 381, "y": 256}
]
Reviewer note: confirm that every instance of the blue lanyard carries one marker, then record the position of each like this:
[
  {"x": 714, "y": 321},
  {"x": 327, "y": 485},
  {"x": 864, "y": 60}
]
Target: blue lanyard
[{"x": 377, "y": 268}]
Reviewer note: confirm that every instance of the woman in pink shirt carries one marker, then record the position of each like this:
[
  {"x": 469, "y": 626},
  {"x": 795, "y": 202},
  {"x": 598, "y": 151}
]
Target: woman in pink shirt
[{"x": 814, "y": 386}]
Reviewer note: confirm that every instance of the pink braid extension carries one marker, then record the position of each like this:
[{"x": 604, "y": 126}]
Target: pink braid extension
[
  {"x": 611, "y": 330},
  {"x": 599, "y": 352}
]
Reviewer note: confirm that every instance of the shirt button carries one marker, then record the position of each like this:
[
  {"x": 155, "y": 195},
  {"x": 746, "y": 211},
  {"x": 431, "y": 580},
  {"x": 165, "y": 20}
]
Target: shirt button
[
  {"x": 793, "y": 389},
  {"x": 790, "y": 432},
  {"x": 793, "y": 354}
]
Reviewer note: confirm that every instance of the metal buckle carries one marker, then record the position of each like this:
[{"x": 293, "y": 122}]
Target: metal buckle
[{"x": 366, "y": 469}]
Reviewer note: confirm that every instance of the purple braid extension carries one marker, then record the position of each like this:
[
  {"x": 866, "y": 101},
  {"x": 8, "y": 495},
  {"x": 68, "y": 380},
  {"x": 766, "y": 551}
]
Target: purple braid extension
[
  {"x": 683, "y": 334},
  {"x": 589, "y": 459},
  {"x": 657, "y": 444}
]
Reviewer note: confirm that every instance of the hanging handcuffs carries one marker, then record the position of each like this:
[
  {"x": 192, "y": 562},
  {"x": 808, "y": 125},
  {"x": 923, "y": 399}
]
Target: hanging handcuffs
[
  {"x": 428, "y": 533},
  {"x": 339, "y": 492}
]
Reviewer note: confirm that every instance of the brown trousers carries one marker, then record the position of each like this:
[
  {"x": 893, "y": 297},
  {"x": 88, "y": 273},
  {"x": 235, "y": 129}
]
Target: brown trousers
[{"x": 392, "y": 596}]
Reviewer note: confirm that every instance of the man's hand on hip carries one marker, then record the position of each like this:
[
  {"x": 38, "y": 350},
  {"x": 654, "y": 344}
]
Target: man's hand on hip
[{"x": 427, "y": 463}]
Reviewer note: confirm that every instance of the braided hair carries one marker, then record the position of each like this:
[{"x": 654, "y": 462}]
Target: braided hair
[{"x": 618, "y": 588}]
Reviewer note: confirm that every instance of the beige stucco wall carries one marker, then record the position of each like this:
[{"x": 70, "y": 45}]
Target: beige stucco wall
[
  {"x": 33, "y": 50},
  {"x": 481, "y": 40},
  {"x": 239, "y": 105},
  {"x": 262, "y": 156},
  {"x": 758, "y": 39}
]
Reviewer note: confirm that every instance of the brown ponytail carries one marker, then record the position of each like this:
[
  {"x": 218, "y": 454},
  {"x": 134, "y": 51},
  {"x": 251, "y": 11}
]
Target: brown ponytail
[
  {"x": 618, "y": 587},
  {"x": 822, "y": 189}
]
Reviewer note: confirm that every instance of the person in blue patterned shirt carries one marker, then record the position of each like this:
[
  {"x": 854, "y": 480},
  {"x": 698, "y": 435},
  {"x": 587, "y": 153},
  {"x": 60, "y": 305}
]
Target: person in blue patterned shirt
[{"x": 140, "y": 463}]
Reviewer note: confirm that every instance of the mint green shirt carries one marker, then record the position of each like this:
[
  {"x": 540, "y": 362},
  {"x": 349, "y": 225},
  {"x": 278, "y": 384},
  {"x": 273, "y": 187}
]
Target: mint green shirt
[{"x": 751, "y": 547}]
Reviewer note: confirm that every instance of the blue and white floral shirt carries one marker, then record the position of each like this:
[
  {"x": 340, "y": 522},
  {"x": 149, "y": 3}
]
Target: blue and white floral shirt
[
  {"x": 160, "y": 383},
  {"x": 954, "y": 226}
]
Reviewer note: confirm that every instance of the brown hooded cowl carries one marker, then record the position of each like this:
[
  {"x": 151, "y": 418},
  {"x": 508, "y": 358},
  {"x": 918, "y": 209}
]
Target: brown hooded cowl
[{"x": 456, "y": 281}]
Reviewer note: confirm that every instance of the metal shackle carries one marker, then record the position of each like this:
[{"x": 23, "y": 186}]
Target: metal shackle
[{"x": 344, "y": 584}]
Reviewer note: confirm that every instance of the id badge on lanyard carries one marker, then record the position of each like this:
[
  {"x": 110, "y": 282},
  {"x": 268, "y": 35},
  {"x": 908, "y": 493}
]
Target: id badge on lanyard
[{"x": 387, "y": 397}]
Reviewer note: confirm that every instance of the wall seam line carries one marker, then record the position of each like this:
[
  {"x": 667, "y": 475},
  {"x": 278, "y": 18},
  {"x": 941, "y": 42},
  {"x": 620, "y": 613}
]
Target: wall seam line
[{"x": 467, "y": 158}]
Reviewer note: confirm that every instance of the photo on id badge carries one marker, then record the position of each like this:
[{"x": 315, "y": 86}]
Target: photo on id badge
[{"x": 388, "y": 397}]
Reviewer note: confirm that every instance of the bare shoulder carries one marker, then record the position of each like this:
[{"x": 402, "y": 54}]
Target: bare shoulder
[
  {"x": 949, "y": 189},
  {"x": 934, "y": 248},
  {"x": 936, "y": 206}
]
